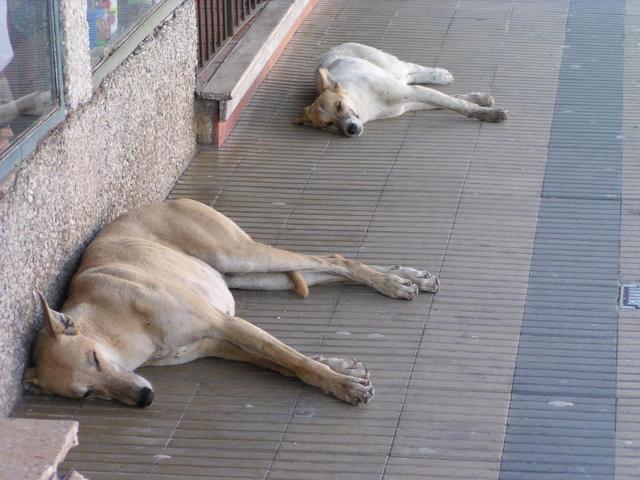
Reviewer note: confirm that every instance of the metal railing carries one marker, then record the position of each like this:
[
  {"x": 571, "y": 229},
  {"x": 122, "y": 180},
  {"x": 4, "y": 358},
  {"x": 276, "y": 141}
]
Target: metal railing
[{"x": 218, "y": 20}]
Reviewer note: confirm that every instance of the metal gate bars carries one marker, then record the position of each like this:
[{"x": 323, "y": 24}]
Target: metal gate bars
[{"x": 218, "y": 20}]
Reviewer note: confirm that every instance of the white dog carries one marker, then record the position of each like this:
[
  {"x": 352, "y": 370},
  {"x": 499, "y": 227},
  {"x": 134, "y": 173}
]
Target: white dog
[{"x": 357, "y": 83}]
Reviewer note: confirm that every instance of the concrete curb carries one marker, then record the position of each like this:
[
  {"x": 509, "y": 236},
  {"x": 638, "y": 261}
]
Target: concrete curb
[
  {"x": 32, "y": 449},
  {"x": 224, "y": 97}
]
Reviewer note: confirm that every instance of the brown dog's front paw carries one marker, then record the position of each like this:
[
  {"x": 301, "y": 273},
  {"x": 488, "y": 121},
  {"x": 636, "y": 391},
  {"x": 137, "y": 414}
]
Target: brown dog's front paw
[
  {"x": 352, "y": 384},
  {"x": 354, "y": 390}
]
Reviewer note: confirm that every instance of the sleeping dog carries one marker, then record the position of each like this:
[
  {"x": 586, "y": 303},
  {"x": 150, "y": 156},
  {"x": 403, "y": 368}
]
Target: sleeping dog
[
  {"x": 357, "y": 83},
  {"x": 153, "y": 289}
]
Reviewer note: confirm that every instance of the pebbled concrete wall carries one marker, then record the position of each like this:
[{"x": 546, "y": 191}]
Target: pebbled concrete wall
[
  {"x": 76, "y": 58},
  {"x": 123, "y": 146}
]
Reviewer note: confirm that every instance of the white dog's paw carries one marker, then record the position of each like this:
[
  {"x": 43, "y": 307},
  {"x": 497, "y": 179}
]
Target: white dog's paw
[
  {"x": 492, "y": 115},
  {"x": 426, "y": 281},
  {"x": 352, "y": 385},
  {"x": 482, "y": 99},
  {"x": 441, "y": 76}
]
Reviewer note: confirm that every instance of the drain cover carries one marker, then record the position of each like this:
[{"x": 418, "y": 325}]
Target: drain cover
[{"x": 630, "y": 296}]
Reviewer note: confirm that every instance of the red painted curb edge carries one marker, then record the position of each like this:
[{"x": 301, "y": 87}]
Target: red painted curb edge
[{"x": 223, "y": 129}]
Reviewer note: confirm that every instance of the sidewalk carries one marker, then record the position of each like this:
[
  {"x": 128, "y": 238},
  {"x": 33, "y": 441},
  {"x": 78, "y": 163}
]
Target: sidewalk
[{"x": 521, "y": 367}]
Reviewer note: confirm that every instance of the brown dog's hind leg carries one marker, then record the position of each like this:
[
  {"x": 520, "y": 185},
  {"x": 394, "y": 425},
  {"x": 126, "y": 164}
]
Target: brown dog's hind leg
[
  {"x": 279, "y": 281},
  {"x": 426, "y": 281},
  {"x": 201, "y": 232},
  {"x": 255, "y": 257}
]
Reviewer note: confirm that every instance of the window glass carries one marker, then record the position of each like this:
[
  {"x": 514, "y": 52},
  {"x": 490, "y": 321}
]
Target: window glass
[
  {"x": 27, "y": 66},
  {"x": 110, "y": 19}
]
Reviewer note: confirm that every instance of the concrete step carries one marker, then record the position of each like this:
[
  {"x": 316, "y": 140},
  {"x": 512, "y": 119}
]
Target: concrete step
[
  {"x": 32, "y": 449},
  {"x": 223, "y": 96}
]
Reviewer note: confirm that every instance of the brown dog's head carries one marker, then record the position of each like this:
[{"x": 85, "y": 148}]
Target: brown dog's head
[
  {"x": 71, "y": 364},
  {"x": 332, "y": 110}
]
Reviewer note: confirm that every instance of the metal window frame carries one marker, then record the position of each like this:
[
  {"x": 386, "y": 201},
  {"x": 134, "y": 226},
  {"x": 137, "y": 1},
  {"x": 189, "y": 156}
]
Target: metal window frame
[
  {"x": 24, "y": 146},
  {"x": 130, "y": 40},
  {"x": 116, "y": 54}
]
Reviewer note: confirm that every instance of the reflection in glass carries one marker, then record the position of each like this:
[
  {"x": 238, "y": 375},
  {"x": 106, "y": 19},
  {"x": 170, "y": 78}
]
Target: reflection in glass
[
  {"x": 27, "y": 85},
  {"x": 110, "y": 19}
]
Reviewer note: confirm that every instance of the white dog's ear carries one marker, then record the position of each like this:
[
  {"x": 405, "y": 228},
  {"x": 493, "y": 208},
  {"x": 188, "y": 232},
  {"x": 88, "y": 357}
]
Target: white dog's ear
[
  {"x": 327, "y": 82},
  {"x": 304, "y": 118},
  {"x": 56, "y": 323}
]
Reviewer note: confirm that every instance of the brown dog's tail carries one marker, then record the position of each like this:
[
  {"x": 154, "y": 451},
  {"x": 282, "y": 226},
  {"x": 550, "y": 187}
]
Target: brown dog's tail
[{"x": 299, "y": 285}]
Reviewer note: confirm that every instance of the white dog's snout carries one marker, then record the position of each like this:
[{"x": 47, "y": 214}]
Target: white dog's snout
[{"x": 353, "y": 129}]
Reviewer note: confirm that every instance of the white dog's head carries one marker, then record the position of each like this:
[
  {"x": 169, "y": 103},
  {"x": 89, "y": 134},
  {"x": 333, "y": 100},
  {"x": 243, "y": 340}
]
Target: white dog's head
[{"x": 332, "y": 110}]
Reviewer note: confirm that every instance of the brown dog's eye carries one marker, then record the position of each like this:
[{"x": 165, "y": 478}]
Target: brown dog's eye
[{"x": 339, "y": 106}]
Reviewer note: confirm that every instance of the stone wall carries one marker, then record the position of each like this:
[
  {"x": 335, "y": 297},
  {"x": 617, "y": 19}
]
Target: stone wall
[{"x": 120, "y": 147}]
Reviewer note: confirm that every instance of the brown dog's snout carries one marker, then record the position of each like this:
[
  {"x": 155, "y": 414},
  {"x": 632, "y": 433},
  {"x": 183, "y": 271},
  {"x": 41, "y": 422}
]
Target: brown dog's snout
[{"x": 145, "y": 398}]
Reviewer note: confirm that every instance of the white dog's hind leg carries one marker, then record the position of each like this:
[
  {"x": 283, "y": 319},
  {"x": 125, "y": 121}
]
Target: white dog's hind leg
[
  {"x": 482, "y": 99},
  {"x": 429, "y": 96},
  {"x": 423, "y": 75}
]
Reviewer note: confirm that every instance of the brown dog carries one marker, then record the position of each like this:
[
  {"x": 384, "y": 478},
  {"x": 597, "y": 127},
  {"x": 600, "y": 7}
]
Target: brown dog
[{"x": 153, "y": 289}]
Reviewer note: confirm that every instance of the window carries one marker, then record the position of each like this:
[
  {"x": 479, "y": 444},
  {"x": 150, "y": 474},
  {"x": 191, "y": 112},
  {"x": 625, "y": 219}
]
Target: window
[
  {"x": 29, "y": 78},
  {"x": 109, "y": 20}
]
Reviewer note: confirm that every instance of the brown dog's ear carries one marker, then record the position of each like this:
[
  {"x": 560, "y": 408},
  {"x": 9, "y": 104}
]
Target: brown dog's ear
[
  {"x": 56, "y": 323},
  {"x": 327, "y": 82},
  {"x": 30, "y": 380},
  {"x": 304, "y": 118}
]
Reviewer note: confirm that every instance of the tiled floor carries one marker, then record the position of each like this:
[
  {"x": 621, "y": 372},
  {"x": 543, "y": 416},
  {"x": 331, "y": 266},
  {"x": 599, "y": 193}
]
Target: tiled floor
[{"x": 521, "y": 367}]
